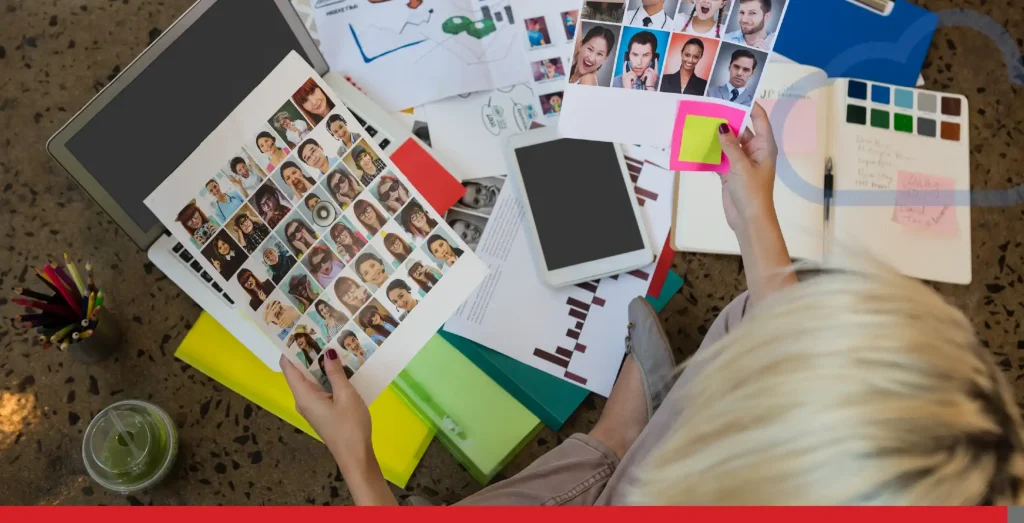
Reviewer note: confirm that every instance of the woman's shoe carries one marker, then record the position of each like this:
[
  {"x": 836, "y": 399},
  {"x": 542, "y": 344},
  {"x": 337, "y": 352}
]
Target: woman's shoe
[{"x": 647, "y": 342}]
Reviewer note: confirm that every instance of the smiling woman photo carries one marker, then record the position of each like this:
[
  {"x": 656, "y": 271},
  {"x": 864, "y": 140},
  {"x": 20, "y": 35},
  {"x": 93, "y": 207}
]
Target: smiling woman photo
[
  {"x": 344, "y": 187},
  {"x": 377, "y": 323},
  {"x": 350, "y": 293},
  {"x": 702, "y": 17},
  {"x": 313, "y": 101},
  {"x": 369, "y": 216},
  {"x": 371, "y": 269},
  {"x": 685, "y": 80},
  {"x": 348, "y": 241},
  {"x": 597, "y": 45},
  {"x": 267, "y": 144}
]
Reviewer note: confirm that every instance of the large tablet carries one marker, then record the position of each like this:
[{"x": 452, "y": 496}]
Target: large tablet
[{"x": 584, "y": 218}]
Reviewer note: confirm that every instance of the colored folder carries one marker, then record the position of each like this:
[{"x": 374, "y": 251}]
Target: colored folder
[
  {"x": 400, "y": 436},
  {"x": 850, "y": 41}
]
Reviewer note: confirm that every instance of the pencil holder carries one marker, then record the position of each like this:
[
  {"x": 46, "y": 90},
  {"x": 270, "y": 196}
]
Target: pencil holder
[{"x": 106, "y": 338}]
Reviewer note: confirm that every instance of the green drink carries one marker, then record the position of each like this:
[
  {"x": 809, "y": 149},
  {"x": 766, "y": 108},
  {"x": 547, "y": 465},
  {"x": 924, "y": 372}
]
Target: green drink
[{"x": 130, "y": 446}]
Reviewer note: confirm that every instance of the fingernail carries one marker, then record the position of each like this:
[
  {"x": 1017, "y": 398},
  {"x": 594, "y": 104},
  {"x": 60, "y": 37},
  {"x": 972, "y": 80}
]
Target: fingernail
[
  {"x": 723, "y": 129},
  {"x": 332, "y": 354}
]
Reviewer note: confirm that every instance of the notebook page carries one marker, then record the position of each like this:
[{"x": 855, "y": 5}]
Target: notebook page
[
  {"x": 797, "y": 100},
  {"x": 902, "y": 178}
]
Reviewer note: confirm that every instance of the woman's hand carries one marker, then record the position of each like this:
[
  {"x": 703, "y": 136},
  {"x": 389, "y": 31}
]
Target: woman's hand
[
  {"x": 748, "y": 188},
  {"x": 342, "y": 421}
]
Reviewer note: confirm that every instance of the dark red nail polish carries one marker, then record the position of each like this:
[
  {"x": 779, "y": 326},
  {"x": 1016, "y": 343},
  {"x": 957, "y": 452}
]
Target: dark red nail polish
[
  {"x": 723, "y": 129},
  {"x": 332, "y": 354}
]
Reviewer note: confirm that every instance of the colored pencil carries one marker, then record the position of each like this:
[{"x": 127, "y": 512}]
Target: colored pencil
[
  {"x": 29, "y": 293},
  {"x": 61, "y": 310},
  {"x": 47, "y": 331},
  {"x": 91, "y": 305},
  {"x": 64, "y": 290},
  {"x": 75, "y": 275},
  {"x": 45, "y": 279},
  {"x": 61, "y": 334},
  {"x": 95, "y": 313},
  {"x": 89, "y": 283},
  {"x": 62, "y": 274},
  {"x": 86, "y": 334},
  {"x": 39, "y": 320},
  {"x": 64, "y": 345}
]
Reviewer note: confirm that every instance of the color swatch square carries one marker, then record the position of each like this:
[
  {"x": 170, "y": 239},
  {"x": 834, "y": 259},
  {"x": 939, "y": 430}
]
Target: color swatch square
[
  {"x": 926, "y": 127},
  {"x": 903, "y": 123},
  {"x": 856, "y": 114},
  {"x": 857, "y": 90},
  {"x": 880, "y": 94},
  {"x": 700, "y": 140},
  {"x": 879, "y": 119},
  {"x": 927, "y": 102},
  {"x": 904, "y": 98}
]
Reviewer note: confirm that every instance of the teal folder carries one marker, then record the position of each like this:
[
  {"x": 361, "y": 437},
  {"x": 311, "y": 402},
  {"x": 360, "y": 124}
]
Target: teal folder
[{"x": 551, "y": 399}]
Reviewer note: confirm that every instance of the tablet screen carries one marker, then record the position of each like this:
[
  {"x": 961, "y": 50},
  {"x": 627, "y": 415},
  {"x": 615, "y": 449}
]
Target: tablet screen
[{"x": 579, "y": 201}]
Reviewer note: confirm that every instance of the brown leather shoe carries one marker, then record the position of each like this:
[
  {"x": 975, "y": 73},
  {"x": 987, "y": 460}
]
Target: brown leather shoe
[{"x": 649, "y": 345}]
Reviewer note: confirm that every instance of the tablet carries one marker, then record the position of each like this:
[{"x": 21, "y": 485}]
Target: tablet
[{"x": 580, "y": 206}]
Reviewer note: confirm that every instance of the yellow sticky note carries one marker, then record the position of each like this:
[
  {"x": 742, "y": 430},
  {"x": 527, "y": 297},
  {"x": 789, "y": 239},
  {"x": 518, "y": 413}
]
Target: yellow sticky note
[{"x": 700, "y": 143}]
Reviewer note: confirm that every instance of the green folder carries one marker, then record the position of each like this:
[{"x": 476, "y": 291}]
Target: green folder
[
  {"x": 482, "y": 426},
  {"x": 551, "y": 399}
]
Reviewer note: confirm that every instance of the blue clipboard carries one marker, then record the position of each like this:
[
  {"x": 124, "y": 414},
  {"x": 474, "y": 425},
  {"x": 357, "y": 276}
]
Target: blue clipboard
[{"x": 847, "y": 40}]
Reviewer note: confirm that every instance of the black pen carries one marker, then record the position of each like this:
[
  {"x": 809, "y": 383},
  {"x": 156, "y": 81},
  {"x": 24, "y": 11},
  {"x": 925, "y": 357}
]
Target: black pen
[{"x": 828, "y": 188}]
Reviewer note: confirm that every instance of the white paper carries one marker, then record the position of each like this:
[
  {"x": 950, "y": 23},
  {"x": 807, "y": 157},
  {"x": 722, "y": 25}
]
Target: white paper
[
  {"x": 375, "y": 363},
  {"x": 515, "y": 313},
  {"x": 598, "y": 107},
  {"x": 473, "y": 129},
  {"x": 407, "y": 53}
]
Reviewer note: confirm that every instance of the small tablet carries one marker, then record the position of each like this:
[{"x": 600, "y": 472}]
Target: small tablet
[{"x": 584, "y": 218}]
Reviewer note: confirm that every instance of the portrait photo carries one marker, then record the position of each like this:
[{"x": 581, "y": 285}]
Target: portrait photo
[
  {"x": 364, "y": 162},
  {"x": 323, "y": 264},
  {"x": 344, "y": 137},
  {"x": 611, "y": 11},
  {"x": 319, "y": 209},
  {"x": 295, "y": 179},
  {"x": 346, "y": 240},
  {"x": 271, "y": 204},
  {"x": 244, "y": 173},
  {"x": 372, "y": 269},
  {"x": 290, "y": 124},
  {"x": 313, "y": 153},
  {"x": 551, "y": 103},
  {"x": 395, "y": 246},
  {"x": 422, "y": 272},
  {"x": 443, "y": 250},
  {"x": 277, "y": 316},
  {"x": 652, "y": 14},
  {"x": 267, "y": 148},
  {"x": 197, "y": 224},
  {"x": 300, "y": 288},
  {"x": 328, "y": 316},
  {"x": 276, "y": 257},
  {"x": 254, "y": 281},
  {"x": 537, "y": 32},
  {"x": 688, "y": 64},
  {"x": 469, "y": 226},
  {"x": 368, "y": 215},
  {"x": 377, "y": 321},
  {"x": 219, "y": 197},
  {"x": 350, "y": 292},
  {"x": 481, "y": 194},
  {"x": 593, "y": 60},
  {"x": 417, "y": 221},
  {"x": 247, "y": 228},
  {"x": 343, "y": 186},
  {"x": 753, "y": 23},
  {"x": 224, "y": 254},
  {"x": 306, "y": 341},
  {"x": 737, "y": 74},
  {"x": 548, "y": 69},
  {"x": 355, "y": 346},
  {"x": 313, "y": 101},
  {"x": 640, "y": 59},
  {"x": 569, "y": 21},
  {"x": 704, "y": 18},
  {"x": 390, "y": 192},
  {"x": 403, "y": 297},
  {"x": 297, "y": 234}
]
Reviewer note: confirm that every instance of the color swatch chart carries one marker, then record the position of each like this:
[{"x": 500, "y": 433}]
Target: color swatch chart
[{"x": 912, "y": 111}]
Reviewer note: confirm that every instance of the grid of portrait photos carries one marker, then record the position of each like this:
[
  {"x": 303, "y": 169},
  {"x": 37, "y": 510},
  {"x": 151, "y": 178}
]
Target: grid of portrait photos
[
  {"x": 317, "y": 235},
  {"x": 713, "y": 48},
  {"x": 469, "y": 216},
  {"x": 549, "y": 72}
]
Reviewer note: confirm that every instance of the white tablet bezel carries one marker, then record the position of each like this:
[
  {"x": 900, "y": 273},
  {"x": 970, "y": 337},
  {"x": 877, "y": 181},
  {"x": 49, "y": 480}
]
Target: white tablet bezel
[{"x": 591, "y": 270}]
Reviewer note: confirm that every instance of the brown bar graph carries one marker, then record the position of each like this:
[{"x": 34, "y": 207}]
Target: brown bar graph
[
  {"x": 645, "y": 193},
  {"x": 547, "y": 356},
  {"x": 578, "y": 379},
  {"x": 580, "y": 348},
  {"x": 563, "y": 352},
  {"x": 573, "y": 302},
  {"x": 578, "y": 314},
  {"x": 579, "y": 326},
  {"x": 598, "y": 301},
  {"x": 639, "y": 274},
  {"x": 573, "y": 334},
  {"x": 588, "y": 286}
]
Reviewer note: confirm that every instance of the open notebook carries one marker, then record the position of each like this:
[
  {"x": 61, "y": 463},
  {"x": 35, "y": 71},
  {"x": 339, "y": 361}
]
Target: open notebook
[{"x": 901, "y": 170}]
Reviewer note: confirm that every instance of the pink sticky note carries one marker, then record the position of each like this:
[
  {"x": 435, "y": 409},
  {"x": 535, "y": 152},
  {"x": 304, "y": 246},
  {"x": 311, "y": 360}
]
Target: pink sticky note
[
  {"x": 708, "y": 109},
  {"x": 926, "y": 203},
  {"x": 798, "y": 120}
]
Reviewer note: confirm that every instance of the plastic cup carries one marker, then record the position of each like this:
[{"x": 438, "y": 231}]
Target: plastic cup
[{"x": 130, "y": 446}]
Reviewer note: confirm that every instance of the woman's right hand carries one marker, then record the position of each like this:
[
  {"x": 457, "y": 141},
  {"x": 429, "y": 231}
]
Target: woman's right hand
[{"x": 748, "y": 188}]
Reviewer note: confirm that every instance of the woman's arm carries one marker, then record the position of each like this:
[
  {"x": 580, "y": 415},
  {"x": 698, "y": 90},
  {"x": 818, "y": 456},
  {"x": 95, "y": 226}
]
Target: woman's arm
[
  {"x": 342, "y": 421},
  {"x": 748, "y": 196}
]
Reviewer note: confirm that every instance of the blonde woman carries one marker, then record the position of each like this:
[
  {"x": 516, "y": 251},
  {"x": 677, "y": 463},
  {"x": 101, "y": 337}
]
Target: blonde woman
[{"x": 854, "y": 386}]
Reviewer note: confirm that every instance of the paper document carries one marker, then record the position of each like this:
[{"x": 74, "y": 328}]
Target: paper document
[
  {"x": 576, "y": 333},
  {"x": 407, "y": 53},
  {"x": 317, "y": 237}
]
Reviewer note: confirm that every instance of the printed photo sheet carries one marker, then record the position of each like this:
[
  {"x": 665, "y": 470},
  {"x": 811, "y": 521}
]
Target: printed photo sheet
[
  {"x": 317, "y": 237},
  {"x": 575, "y": 333},
  {"x": 634, "y": 60}
]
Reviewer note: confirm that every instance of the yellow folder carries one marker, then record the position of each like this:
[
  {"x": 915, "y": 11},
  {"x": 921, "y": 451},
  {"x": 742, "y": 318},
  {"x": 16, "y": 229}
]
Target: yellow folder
[{"x": 400, "y": 437}]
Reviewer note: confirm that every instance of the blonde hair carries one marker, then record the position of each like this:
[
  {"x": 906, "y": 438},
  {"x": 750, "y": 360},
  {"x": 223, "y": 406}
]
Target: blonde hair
[{"x": 855, "y": 386}]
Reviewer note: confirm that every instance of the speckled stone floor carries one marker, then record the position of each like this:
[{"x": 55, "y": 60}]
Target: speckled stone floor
[{"x": 56, "y": 54}]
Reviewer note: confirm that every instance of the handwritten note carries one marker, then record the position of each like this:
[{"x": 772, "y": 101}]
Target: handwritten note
[
  {"x": 925, "y": 202},
  {"x": 876, "y": 162}
]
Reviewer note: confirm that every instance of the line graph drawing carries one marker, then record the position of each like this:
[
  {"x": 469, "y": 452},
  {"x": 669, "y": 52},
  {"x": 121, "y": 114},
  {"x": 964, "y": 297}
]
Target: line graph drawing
[
  {"x": 368, "y": 59},
  {"x": 430, "y": 13}
]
